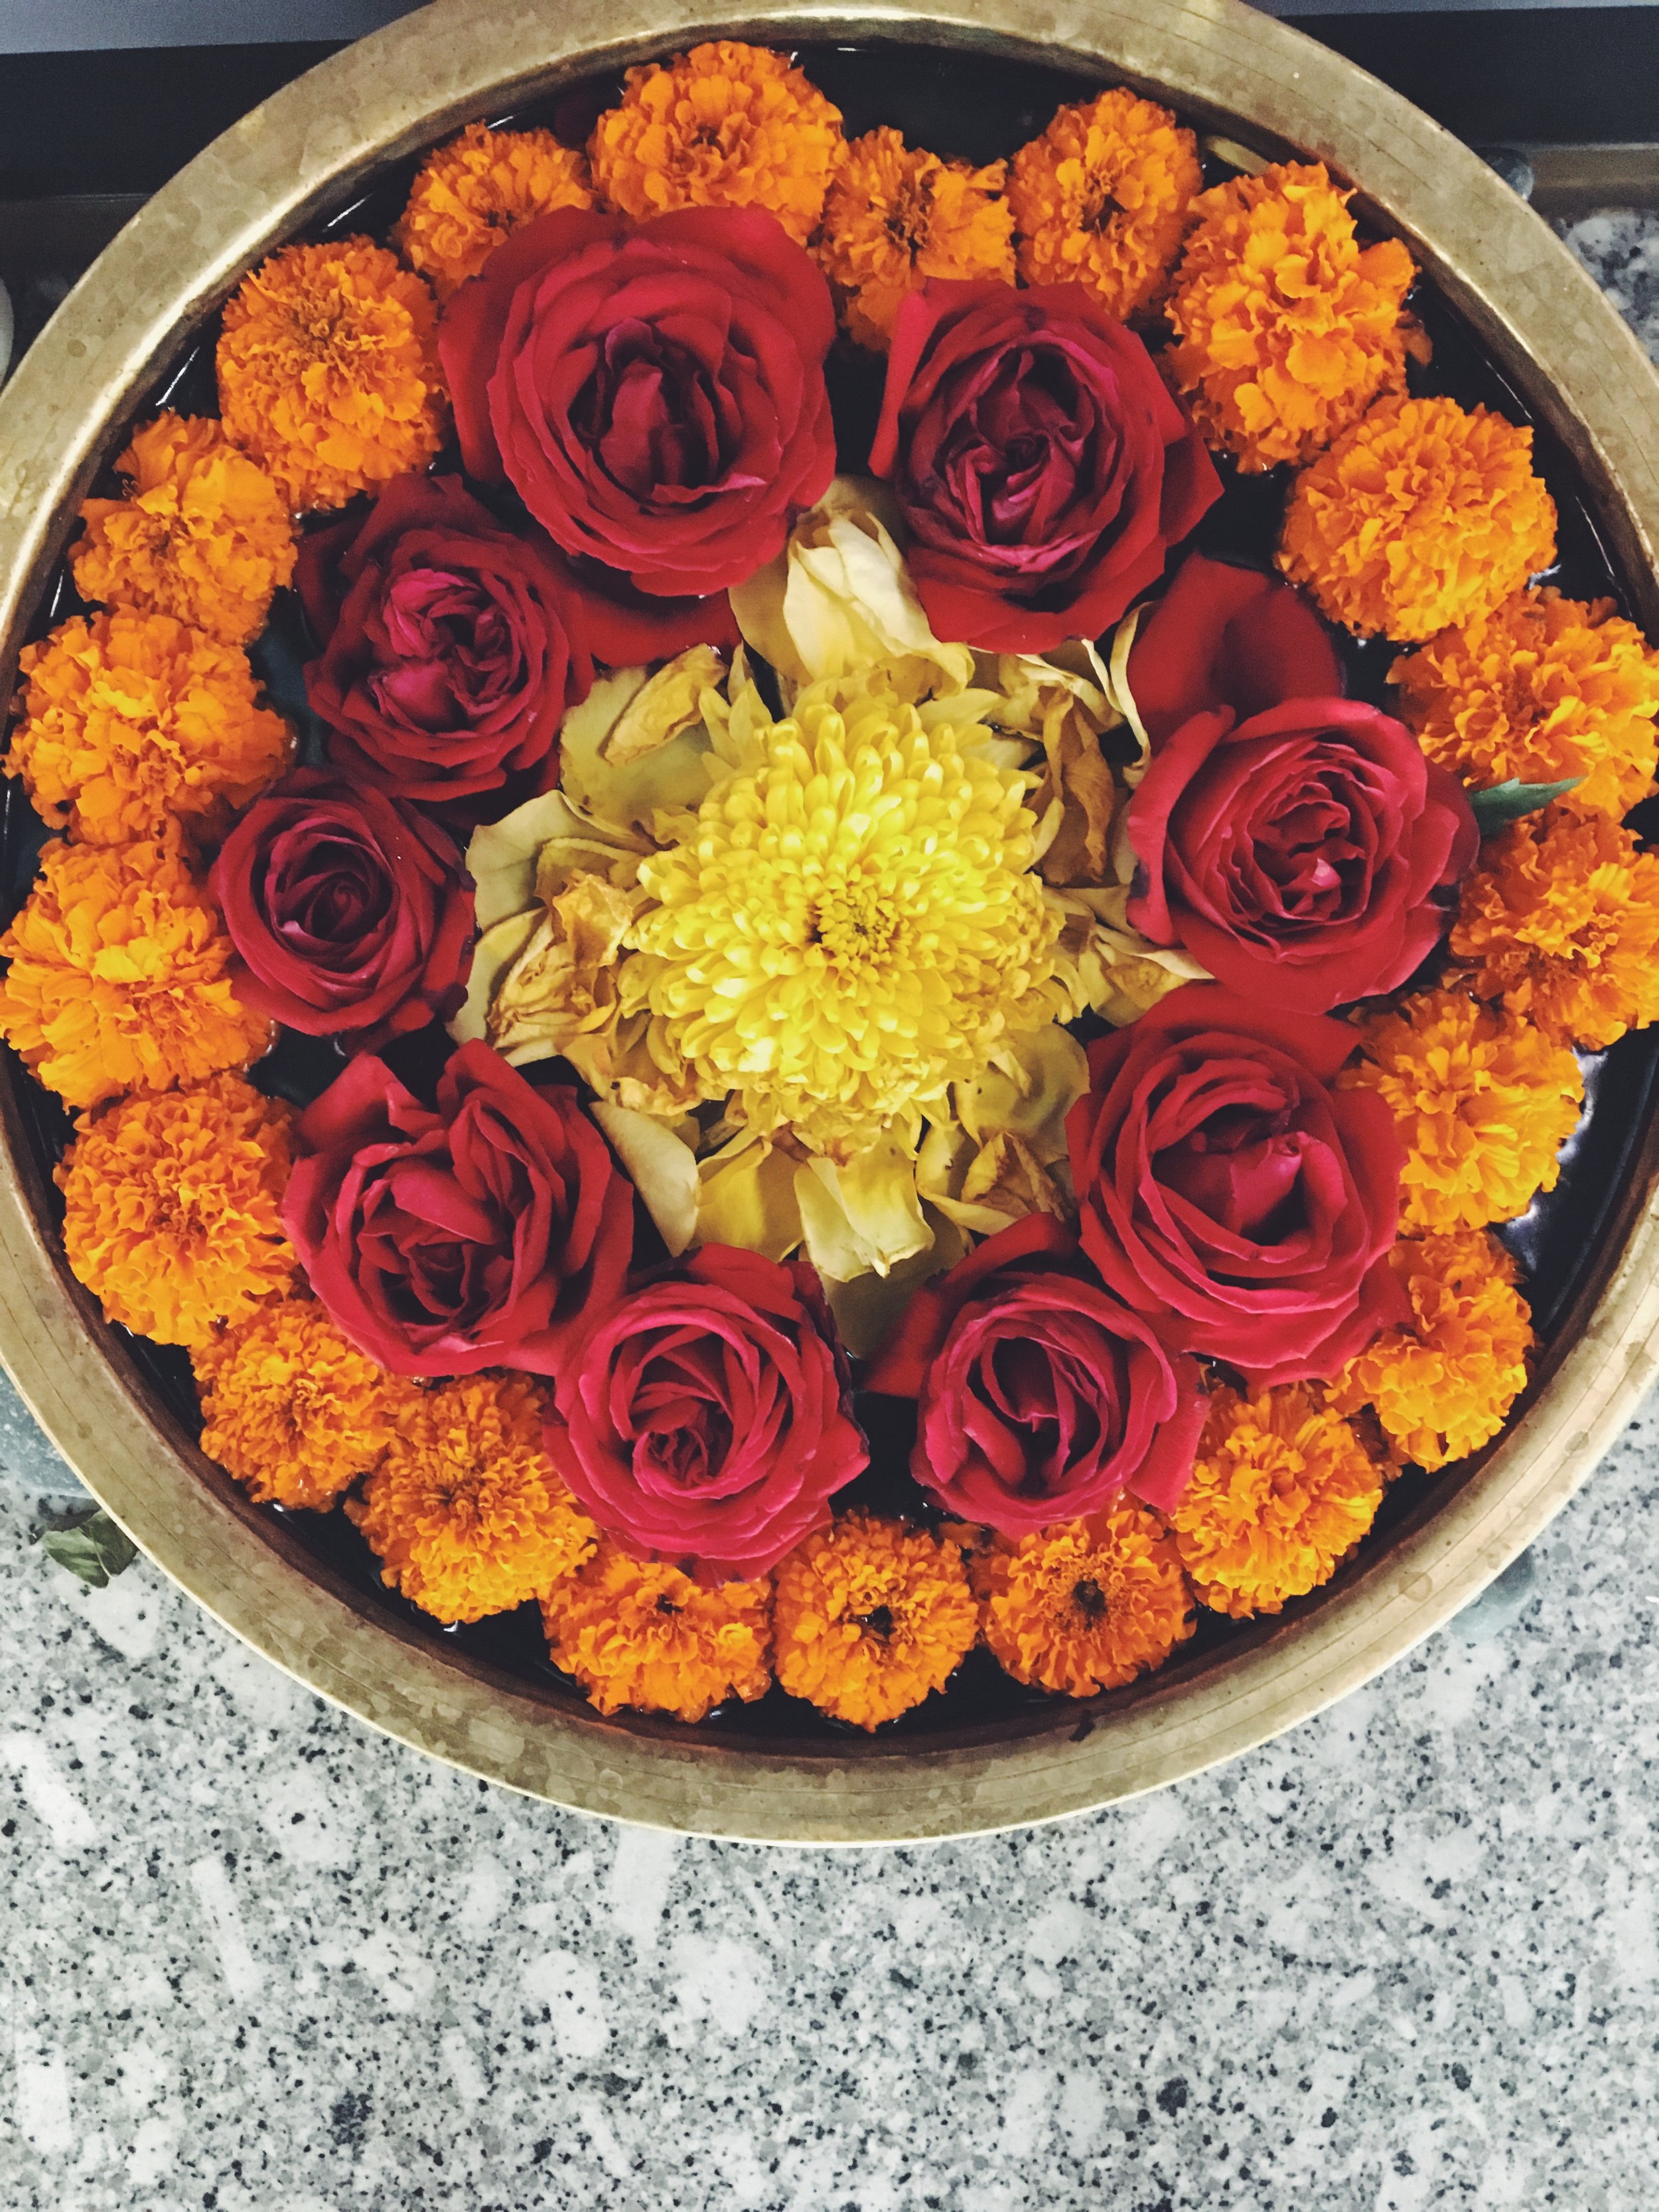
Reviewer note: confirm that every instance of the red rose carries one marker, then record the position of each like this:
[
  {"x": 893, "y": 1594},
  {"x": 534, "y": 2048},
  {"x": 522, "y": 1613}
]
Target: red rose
[
  {"x": 1307, "y": 856},
  {"x": 1040, "y": 465},
  {"x": 451, "y": 648},
  {"x": 1225, "y": 636},
  {"x": 655, "y": 393},
  {"x": 705, "y": 1420},
  {"x": 484, "y": 1234},
  {"x": 1042, "y": 1397},
  {"x": 348, "y": 909},
  {"x": 1229, "y": 1194}
]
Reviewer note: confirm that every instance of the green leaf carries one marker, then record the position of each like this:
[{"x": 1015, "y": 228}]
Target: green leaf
[
  {"x": 97, "y": 1549},
  {"x": 1495, "y": 809}
]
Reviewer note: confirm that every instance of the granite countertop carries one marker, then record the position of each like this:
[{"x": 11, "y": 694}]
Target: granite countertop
[{"x": 263, "y": 1959}]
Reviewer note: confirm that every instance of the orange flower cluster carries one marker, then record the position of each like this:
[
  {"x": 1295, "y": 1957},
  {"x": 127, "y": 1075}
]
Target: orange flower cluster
[
  {"x": 1420, "y": 516},
  {"x": 478, "y": 190},
  {"x": 725, "y": 125},
  {"x": 1088, "y": 1604},
  {"x": 637, "y": 1634},
  {"x": 202, "y": 534},
  {"x": 1103, "y": 198},
  {"x": 1442, "y": 1386},
  {"x": 173, "y": 1208},
  {"x": 328, "y": 370},
  {"x": 133, "y": 724},
  {"x": 895, "y": 217},
  {"x": 1286, "y": 328},
  {"x": 1536, "y": 690},
  {"x": 870, "y": 1617},
  {"x": 119, "y": 977}
]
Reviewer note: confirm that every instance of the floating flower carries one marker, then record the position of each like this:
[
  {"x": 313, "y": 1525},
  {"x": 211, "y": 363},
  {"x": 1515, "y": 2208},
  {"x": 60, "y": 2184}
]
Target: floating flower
[
  {"x": 328, "y": 370},
  {"x": 1282, "y": 1493},
  {"x": 1482, "y": 1099},
  {"x": 635, "y": 1632},
  {"x": 1104, "y": 197},
  {"x": 477, "y": 189},
  {"x": 119, "y": 977},
  {"x": 1086, "y": 1605},
  {"x": 202, "y": 534},
  {"x": 131, "y": 723},
  {"x": 1420, "y": 516},
  {"x": 1442, "y": 1386},
  {"x": 895, "y": 217},
  {"x": 464, "y": 1511},
  {"x": 870, "y": 1618},
  {"x": 173, "y": 1208}
]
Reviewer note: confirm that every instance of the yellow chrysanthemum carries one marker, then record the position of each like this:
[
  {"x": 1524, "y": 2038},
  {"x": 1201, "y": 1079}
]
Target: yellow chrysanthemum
[
  {"x": 637, "y": 1632},
  {"x": 1538, "y": 690},
  {"x": 1103, "y": 198},
  {"x": 1287, "y": 329},
  {"x": 870, "y": 1618},
  {"x": 1087, "y": 1605},
  {"x": 850, "y": 928},
  {"x": 478, "y": 190},
  {"x": 202, "y": 533},
  {"x": 1282, "y": 1492},
  {"x": 1442, "y": 1386},
  {"x": 895, "y": 217},
  {"x": 1483, "y": 1102}
]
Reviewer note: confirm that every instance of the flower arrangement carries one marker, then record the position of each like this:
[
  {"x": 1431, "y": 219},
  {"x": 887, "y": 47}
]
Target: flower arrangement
[{"x": 830, "y": 937}]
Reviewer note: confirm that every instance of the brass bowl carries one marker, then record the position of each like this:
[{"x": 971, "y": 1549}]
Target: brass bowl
[{"x": 1547, "y": 329}]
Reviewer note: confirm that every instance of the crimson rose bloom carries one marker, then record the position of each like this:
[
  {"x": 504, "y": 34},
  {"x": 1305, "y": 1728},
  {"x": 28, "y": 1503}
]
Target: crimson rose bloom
[
  {"x": 1226, "y": 636},
  {"x": 349, "y": 910},
  {"x": 1040, "y": 465},
  {"x": 481, "y": 1235},
  {"x": 656, "y": 394},
  {"x": 451, "y": 648},
  {"x": 1042, "y": 1397},
  {"x": 1307, "y": 856},
  {"x": 1229, "y": 1194},
  {"x": 705, "y": 1420}
]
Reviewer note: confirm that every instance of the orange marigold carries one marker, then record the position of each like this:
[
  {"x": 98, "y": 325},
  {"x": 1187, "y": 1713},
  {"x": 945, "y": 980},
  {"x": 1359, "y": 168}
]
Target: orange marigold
[
  {"x": 1420, "y": 516},
  {"x": 119, "y": 977},
  {"x": 635, "y": 1632},
  {"x": 869, "y": 1617},
  {"x": 1441, "y": 1385},
  {"x": 1282, "y": 1492},
  {"x": 328, "y": 370},
  {"x": 1539, "y": 690},
  {"x": 1104, "y": 197},
  {"x": 173, "y": 1207},
  {"x": 1287, "y": 329},
  {"x": 1482, "y": 1099},
  {"x": 1561, "y": 921},
  {"x": 202, "y": 533},
  {"x": 131, "y": 722},
  {"x": 1089, "y": 1604},
  {"x": 725, "y": 125},
  {"x": 476, "y": 191},
  {"x": 895, "y": 217},
  {"x": 464, "y": 1511}
]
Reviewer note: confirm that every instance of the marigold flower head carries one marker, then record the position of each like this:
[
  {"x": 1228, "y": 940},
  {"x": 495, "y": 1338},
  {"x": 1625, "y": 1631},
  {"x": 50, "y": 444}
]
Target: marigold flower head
[
  {"x": 725, "y": 125},
  {"x": 1442, "y": 1386},
  {"x": 869, "y": 1617},
  {"x": 637, "y": 1634},
  {"x": 1420, "y": 516},
  {"x": 202, "y": 533},
  {"x": 850, "y": 928},
  {"x": 1088, "y": 1604},
  {"x": 1561, "y": 921},
  {"x": 119, "y": 977},
  {"x": 173, "y": 1208},
  {"x": 1287, "y": 329},
  {"x": 1539, "y": 690},
  {"x": 1482, "y": 1099},
  {"x": 896, "y": 215},
  {"x": 328, "y": 370},
  {"x": 132, "y": 723},
  {"x": 1103, "y": 198},
  {"x": 464, "y": 1511},
  {"x": 478, "y": 190},
  {"x": 1282, "y": 1492}
]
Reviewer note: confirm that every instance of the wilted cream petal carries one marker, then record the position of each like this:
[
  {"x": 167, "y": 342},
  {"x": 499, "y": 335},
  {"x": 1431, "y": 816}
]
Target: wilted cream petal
[
  {"x": 492, "y": 956},
  {"x": 669, "y": 703},
  {"x": 564, "y": 979},
  {"x": 632, "y": 789},
  {"x": 1117, "y": 686},
  {"x": 1040, "y": 1078},
  {"x": 870, "y": 1308},
  {"x": 662, "y": 1167},
  {"x": 546, "y": 840},
  {"x": 864, "y": 1213},
  {"x": 748, "y": 1197},
  {"x": 1101, "y": 963}
]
